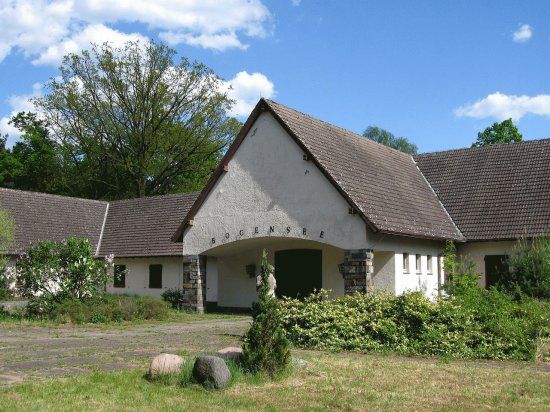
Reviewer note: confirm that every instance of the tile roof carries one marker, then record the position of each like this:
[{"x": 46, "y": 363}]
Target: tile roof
[
  {"x": 40, "y": 216},
  {"x": 143, "y": 227},
  {"x": 383, "y": 183},
  {"x": 494, "y": 192}
]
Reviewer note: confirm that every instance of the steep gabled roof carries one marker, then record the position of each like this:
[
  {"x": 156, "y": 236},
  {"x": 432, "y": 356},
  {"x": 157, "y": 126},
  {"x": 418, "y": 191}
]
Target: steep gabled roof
[
  {"x": 494, "y": 192},
  {"x": 143, "y": 227},
  {"x": 382, "y": 184},
  {"x": 40, "y": 216}
]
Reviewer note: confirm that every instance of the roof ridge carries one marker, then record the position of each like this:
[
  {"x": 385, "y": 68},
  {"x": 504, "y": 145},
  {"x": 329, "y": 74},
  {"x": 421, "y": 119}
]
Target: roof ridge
[
  {"x": 137, "y": 199},
  {"x": 485, "y": 147},
  {"x": 42, "y": 194}
]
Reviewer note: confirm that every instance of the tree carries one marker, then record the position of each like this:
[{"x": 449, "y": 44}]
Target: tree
[
  {"x": 134, "y": 123},
  {"x": 386, "y": 138},
  {"x": 505, "y": 132},
  {"x": 36, "y": 161},
  {"x": 265, "y": 346}
]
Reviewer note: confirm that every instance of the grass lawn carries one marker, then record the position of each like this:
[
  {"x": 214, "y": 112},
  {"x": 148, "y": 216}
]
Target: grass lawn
[{"x": 329, "y": 382}]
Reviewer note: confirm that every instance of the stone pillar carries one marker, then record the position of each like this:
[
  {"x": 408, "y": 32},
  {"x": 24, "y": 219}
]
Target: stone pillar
[
  {"x": 357, "y": 270},
  {"x": 194, "y": 284}
]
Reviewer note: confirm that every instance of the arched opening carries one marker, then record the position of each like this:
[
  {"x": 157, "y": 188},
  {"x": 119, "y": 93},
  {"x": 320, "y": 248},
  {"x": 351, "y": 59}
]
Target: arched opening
[{"x": 298, "y": 272}]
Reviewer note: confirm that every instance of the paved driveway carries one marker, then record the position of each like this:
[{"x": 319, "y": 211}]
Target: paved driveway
[{"x": 31, "y": 352}]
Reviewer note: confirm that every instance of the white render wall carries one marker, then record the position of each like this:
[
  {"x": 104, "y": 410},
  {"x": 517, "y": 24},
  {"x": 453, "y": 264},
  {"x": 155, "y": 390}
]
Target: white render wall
[
  {"x": 476, "y": 251},
  {"x": 270, "y": 187},
  {"x": 137, "y": 276}
]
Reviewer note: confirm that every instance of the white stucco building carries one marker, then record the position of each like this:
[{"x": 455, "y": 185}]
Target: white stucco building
[{"x": 333, "y": 209}]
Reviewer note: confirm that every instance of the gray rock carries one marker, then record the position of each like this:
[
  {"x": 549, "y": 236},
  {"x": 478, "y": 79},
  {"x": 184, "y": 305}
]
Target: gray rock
[
  {"x": 231, "y": 352},
  {"x": 299, "y": 362},
  {"x": 211, "y": 372},
  {"x": 164, "y": 364}
]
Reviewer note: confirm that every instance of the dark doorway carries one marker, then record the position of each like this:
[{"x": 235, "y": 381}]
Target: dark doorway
[
  {"x": 298, "y": 272},
  {"x": 495, "y": 266}
]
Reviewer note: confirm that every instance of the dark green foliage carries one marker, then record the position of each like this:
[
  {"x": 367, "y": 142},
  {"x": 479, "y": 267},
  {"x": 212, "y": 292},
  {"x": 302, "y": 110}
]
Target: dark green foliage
[
  {"x": 266, "y": 349},
  {"x": 504, "y": 132},
  {"x": 479, "y": 325},
  {"x": 174, "y": 297},
  {"x": 389, "y": 139},
  {"x": 529, "y": 268}
]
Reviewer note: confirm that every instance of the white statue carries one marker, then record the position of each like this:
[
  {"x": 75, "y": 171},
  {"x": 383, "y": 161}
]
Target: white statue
[{"x": 270, "y": 281}]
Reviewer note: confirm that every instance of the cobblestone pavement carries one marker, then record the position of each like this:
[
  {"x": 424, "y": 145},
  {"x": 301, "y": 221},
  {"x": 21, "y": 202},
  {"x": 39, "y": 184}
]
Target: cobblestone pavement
[{"x": 31, "y": 352}]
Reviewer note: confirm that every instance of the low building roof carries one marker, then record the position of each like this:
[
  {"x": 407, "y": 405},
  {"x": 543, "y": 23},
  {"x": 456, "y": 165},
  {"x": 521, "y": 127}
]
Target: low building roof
[
  {"x": 41, "y": 216},
  {"x": 143, "y": 227},
  {"x": 494, "y": 192}
]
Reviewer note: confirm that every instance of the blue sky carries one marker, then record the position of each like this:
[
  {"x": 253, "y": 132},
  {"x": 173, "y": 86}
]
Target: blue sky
[{"x": 436, "y": 72}]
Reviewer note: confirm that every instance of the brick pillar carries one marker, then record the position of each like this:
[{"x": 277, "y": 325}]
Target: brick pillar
[
  {"x": 194, "y": 284},
  {"x": 357, "y": 270}
]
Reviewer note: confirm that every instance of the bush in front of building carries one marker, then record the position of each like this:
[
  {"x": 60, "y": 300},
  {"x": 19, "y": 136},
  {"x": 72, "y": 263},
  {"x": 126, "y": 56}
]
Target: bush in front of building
[
  {"x": 481, "y": 325},
  {"x": 52, "y": 272},
  {"x": 174, "y": 297},
  {"x": 108, "y": 309},
  {"x": 529, "y": 268}
]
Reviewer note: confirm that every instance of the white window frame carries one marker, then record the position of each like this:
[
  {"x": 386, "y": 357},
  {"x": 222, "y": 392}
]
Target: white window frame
[{"x": 406, "y": 262}]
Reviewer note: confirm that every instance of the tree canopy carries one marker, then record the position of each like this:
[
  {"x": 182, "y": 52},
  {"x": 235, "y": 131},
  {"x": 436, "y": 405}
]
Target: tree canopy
[
  {"x": 504, "y": 132},
  {"x": 389, "y": 139},
  {"x": 128, "y": 122}
]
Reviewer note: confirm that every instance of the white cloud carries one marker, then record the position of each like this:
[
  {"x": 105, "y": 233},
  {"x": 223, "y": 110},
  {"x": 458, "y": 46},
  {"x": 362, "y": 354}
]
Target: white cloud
[
  {"x": 46, "y": 28},
  {"x": 219, "y": 42},
  {"x": 501, "y": 106},
  {"x": 523, "y": 34},
  {"x": 246, "y": 89},
  {"x": 94, "y": 33},
  {"x": 18, "y": 103},
  {"x": 296, "y": 3}
]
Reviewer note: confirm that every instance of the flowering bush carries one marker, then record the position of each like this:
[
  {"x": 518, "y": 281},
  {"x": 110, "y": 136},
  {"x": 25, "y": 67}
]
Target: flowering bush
[
  {"x": 56, "y": 271},
  {"x": 485, "y": 324}
]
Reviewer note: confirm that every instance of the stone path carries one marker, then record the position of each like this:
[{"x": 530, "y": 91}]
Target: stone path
[{"x": 32, "y": 352}]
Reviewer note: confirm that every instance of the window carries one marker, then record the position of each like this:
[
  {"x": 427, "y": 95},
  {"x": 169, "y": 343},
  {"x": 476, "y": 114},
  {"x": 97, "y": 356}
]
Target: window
[
  {"x": 155, "y": 276},
  {"x": 406, "y": 262},
  {"x": 418, "y": 263},
  {"x": 120, "y": 276},
  {"x": 429, "y": 262}
]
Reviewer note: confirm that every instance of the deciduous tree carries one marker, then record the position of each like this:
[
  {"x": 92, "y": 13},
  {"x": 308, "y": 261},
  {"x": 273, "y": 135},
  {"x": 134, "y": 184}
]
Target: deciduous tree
[
  {"x": 137, "y": 124},
  {"x": 504, "y": 132},
  {"x": 389, "y": 139}
]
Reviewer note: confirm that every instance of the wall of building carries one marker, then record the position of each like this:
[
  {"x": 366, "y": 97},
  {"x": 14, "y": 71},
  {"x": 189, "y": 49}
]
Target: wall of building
[
  {"x": 384, "y": 271},
  {"x": 476, "y": 251},
  {"x": 137, "y": 276},
  {"x": 271, "y": 191}
]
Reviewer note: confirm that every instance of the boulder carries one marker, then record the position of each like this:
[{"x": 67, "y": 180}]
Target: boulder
[
  {"x": 231, "y": 352},
  {"x": 299, "y": 362},
  {"x": 164, "y": 364},
  {"x": 211, "y": 372}
]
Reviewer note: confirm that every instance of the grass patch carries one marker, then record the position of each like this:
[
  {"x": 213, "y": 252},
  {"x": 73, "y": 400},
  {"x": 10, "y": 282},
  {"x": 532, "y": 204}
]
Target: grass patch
[{"x": 329, "y": 382}]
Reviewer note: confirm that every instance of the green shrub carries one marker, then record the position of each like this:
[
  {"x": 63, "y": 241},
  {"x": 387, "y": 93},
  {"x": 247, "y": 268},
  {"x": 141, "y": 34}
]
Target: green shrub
[
  {"x": 108, "y": 309},
  {"x": 174, "y": 297},
  {"x": 266, "y": 349},
  {"x": 479, "y": 325},
  {"x": 529, "y": 268}
]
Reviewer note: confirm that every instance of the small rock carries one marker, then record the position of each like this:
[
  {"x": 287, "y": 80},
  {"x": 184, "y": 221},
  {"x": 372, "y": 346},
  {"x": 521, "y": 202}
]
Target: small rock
[
  {"x": 299, "y": 362},
  {"x": 231, "y": 352},
  {"x": 164, "y": 364},
  {"x": 211, "y": 372}
]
